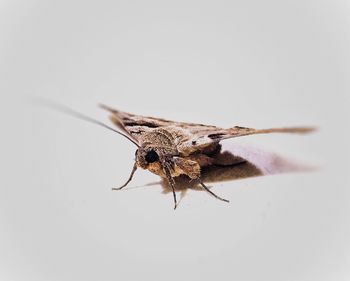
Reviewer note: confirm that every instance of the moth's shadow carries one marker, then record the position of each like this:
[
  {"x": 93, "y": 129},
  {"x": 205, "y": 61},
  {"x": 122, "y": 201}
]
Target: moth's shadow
[
  {"x": 238, "y": 162},
  {"x": 213, "y": 174}
]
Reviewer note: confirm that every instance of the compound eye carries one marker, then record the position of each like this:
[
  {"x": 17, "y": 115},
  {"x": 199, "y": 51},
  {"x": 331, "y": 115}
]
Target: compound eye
[{"x": 151, "y": 156}]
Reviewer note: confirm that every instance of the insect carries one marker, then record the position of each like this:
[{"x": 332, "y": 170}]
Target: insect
[{"x": 170, "y": 149}]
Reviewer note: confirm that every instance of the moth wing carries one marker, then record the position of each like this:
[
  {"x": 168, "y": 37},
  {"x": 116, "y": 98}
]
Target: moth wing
[
  {"x": 189, "y": 137},
  {"x": 137, "y": 125},
  {"x": 201, "y": 140}
]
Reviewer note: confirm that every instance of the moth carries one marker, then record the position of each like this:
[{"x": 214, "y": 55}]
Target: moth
[{"x": 170, "y": 149}]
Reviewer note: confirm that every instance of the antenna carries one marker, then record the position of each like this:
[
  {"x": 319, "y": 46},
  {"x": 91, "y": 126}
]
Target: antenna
[{"x": 62, "y": 108}]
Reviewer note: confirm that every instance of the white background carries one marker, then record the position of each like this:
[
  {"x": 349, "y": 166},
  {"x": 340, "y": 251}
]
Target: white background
[{"x": 249, "y": 63}]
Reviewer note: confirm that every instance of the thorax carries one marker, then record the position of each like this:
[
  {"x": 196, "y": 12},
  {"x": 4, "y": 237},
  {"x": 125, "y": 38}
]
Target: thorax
[{"x": 160, "y": 139}]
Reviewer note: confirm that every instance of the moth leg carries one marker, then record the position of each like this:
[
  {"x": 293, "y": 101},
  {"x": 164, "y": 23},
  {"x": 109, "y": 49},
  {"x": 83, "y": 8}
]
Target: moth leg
[
  {"x": 212, "y": 193},
  {"x": 171, "y": 182},
  {"x": 129, "y": 179}
]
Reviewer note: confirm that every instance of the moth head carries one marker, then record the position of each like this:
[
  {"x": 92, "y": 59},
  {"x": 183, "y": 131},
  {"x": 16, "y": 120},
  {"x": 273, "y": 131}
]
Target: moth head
[{"x": 147, "y": 156}]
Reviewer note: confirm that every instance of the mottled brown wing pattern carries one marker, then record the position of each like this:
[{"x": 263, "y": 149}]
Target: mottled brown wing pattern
[
  {"x": 205, "y": 138},
  {"x": 188, "y": 137},
  {"x": 137, "y": 125}
]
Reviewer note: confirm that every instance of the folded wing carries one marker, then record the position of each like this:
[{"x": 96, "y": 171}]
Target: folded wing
[{"x": 188, "y": 137}]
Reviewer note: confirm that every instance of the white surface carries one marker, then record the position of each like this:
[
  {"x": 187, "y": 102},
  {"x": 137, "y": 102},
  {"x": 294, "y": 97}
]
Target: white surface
[{"x": 248, "y": 63}]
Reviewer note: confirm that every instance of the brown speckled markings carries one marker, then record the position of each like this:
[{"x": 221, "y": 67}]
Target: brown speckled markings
[{"x": 171, "y": 149}]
